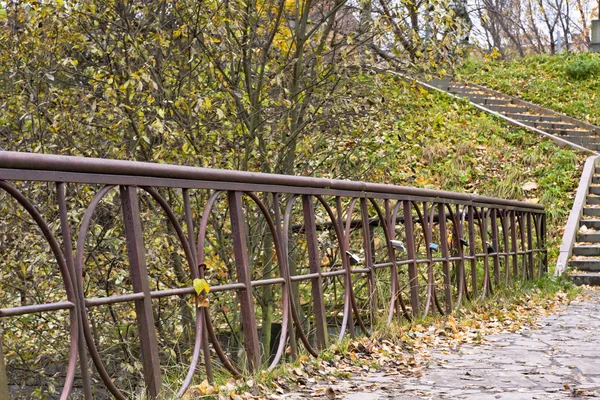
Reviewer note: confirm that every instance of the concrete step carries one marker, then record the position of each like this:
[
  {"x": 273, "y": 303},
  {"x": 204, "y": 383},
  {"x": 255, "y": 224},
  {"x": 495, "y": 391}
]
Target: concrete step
[
  {"x": 509, "y": 109},
  {"x": 588, "y": 145},
  {"x": 596, "y": 179},
  {"x": 593, "y": 200},
  {"x": 586, "y": 250},
  {"x": 553, "y": 125},
  {"x": 443, "y": 84},
  {"x": 582, "y": 140},
  {"x": 588, "y": 265},
  {"x": 570, "y": 132},
  {"x": 456, "y": 89},
  {"x": 590, "y": 279},
  {"x": 594, "y": 189},
  {"x": 595, "y": 211},
  {"x": 590, "y": 223},
  {"x": 589, "y": 237},
  {"x": 487, "y": 100},
  {"x": 535, "y": 117},
  {"x": 591, "y": 146}
]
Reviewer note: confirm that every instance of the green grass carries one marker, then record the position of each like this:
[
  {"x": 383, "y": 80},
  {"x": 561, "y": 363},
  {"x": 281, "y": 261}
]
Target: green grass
[
  {"x": 568, "y": 83},
  {"x": 416, "y": 138}
]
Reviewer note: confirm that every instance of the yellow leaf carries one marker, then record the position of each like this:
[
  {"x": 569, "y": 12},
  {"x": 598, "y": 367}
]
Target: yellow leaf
[{"x": 200, "y": 285}]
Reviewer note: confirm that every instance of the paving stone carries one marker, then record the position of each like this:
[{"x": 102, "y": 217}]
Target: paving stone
[{"x": 561, "y": 350}]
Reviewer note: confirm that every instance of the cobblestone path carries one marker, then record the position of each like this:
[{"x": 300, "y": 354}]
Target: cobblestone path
[{"x": 559, "y": 358}]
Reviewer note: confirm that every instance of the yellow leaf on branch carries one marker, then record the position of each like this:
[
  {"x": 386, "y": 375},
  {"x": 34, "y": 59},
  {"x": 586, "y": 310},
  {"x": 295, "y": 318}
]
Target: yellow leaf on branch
[
  {"x": 202, "y": 288},
  {"x": 200, "y": 285}
]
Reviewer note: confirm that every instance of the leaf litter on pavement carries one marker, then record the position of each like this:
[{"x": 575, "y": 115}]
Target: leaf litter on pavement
[{"x": 344, "y": 368}]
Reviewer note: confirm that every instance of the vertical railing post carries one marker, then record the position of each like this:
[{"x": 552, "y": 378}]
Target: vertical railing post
[
  {"x": 543, "y": 242},
  {"x": 486, "y": 258},
  {"x": 472, "y": 253},
  {"x": 504, "y": 222},
  {"x": 3, "y": 379},
  {"x": 530, "y": 246},
  {"x": 413, "y": 274},
  {"x": 139, "y": 278},
  {"x": 460, "y": 275},
  {"x": 310, "y": 228},
  {"x": 524, "y": 258},
  {"x": 513, "y": 247},
  {"x": 495, "y": 244},
  {"x": 238, "y": 231},
  {"x": 445, "y": 256},
  {"x": 368, "y": 261}
]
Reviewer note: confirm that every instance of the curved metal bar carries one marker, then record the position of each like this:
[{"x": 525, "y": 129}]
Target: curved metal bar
[
  {"x": 89, "y": 339},
  {"x": 426, "y": 220},
  {"x": 386, "y": 233},
  {"x": 200, "y": 252},
  {"x": 447, "y": 284},
  {"x": 525, "y": 267},
  {"x": 422, "y": 217},
  {"x": 295, "y": 316},
  {"x": 390, "y": 228},
  {"x": 463, "y": 216},
  {"x": 178, "y": 229},
  {"x": 503, "y": 223},
  {"x": 486, "y": 266},
  {"x": 460, "y": 270},
  {"x": 349, "y": 272},
  {"x": 431, "y": 269},
  {"x": 388, "y": 238},
  {"x": 396, "y": 293},
  {"x": 287, "y": 221},
  {"x": 279, "y": 226},
  {"x": 286, "y": 293},
  {"x": 195, "y": 355},
  {"x": 68, "y": 253},
  {"x": 345, "y": 263},
  {"x": 66, "y": 277},
  {"x": 340, "y": 238},
  {"x": 194, "y": 273},
  {"x": 190, "y": 228},
  {"x": 344, "y": 247}
]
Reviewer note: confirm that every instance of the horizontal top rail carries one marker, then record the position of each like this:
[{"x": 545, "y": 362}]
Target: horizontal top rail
[{"x": 55, "y": 163}]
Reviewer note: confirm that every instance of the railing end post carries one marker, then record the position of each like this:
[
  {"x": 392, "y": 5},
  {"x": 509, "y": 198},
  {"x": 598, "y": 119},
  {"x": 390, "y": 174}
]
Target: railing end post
[{"x": 3, "y": 378}]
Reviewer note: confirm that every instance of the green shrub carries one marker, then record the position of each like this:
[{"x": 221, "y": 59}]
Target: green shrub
[{"x": 582, "y": 68}]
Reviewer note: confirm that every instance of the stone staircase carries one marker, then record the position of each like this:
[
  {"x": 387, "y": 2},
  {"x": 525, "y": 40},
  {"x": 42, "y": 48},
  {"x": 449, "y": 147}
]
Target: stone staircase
[
  {"x": 576, "y": 133},
  {"x": 582, "y": 233},
  {"x": 585, "y": 261}
]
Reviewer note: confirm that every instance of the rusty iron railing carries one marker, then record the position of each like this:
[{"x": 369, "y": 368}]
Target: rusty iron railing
[{"x": 459, "y": 245}]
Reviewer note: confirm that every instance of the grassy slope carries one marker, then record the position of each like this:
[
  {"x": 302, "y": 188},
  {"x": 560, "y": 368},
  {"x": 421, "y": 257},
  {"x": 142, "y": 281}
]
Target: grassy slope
[
  {"x": 429, "y": 140},
  {"x": 544, "y": 80}
]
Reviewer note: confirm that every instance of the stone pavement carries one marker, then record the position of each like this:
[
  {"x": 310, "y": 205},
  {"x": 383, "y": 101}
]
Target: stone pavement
[{"x": 559, "y": 358}]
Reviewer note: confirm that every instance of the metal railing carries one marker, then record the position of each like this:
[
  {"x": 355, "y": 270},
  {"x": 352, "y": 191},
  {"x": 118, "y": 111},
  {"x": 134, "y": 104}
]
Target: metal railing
[
  {"x": 570, "y": 234},
  {"x": 459, "y": 246}
]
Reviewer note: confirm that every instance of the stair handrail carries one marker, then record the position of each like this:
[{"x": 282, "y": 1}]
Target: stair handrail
[
  {"x": 559, "y": 141},
  {"x": 572, "y": 226}
]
